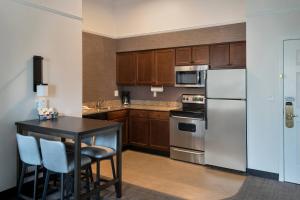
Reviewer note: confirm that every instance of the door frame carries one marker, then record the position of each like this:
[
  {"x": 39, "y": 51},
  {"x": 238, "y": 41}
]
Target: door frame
[{"x": 281, "y": 139}]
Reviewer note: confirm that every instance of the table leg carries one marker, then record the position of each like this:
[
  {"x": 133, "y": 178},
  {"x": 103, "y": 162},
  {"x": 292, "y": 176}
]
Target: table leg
[
  {"x": 119, "y": 163},
  {"x": 77, "y": 168}
]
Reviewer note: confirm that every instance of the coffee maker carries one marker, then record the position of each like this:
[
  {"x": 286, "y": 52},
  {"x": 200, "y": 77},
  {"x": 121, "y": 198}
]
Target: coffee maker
[{"x": 125, "y": 97}]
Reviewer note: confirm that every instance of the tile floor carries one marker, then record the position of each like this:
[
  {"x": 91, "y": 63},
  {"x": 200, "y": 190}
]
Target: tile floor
[{"x": 180, "y": 179}]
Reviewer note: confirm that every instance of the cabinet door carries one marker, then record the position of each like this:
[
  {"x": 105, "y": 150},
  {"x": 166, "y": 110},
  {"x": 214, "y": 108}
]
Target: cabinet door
[
  {"x": 146, "y": 71},
  {"x": 139, "y": 131},
  {"x": 219, "y": 56},
  {"x": 200, "y": 55},
  {"x": 238, "y": 54},
  {"x": 124, "y": 122},
  {"x": 126, "y": 68},
  {"x": 164, "y": 64},
  {"x": 159, "y": 134},
  {"x": 183, "y": 56}
]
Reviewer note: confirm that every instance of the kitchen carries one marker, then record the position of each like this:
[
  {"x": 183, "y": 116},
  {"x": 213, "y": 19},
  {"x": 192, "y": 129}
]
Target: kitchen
[
  {"x": 149, "y": 121},
  {"x": 157, "y": 68},
  {"x": 199, "y": 98}
]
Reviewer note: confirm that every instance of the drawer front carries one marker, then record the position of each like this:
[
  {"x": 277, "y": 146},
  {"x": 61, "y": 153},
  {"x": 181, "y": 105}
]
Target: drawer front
[
  {"x": 187, "y": 155},
  {"x": 159, "y": 115},
  {"x": 139, "y": 113},
  {"x": 117, "y": 114}
]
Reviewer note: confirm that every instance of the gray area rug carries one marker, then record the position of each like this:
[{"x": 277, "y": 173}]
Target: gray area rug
[
  {"x": 130, "y": 192},
  {"x": 264, "y": 189},
  {"x": 134, "y": 192}
]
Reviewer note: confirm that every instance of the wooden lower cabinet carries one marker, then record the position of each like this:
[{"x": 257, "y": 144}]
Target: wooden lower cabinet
[
  {"x": 143, "y": 128},
  {"x": 122, "y": 117},
  {"x": 139, "y": 131},
  {"x": 159, "y": 134},
  {"x": 149, "y": 129},
  {"x": 124, "y": 122}
]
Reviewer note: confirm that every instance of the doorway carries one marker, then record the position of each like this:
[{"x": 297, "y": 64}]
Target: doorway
[{"x": 292, "y": 111}]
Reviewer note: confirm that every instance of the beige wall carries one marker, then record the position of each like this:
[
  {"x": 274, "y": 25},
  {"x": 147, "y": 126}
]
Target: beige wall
[
  {"x": 99, "y": 67},
  {"x": 227, "y": 33}
]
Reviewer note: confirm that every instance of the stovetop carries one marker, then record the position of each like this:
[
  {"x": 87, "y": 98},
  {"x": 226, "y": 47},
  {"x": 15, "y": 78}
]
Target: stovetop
[
  {"x": 193, "y": 106},
  {"x": 188, "y": 113}
]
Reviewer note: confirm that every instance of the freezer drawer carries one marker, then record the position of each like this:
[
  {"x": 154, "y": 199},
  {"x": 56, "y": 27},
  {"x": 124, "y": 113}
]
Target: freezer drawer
[
  {"x": 225, "y": 139},
  {"x": 226, "y": 84}
]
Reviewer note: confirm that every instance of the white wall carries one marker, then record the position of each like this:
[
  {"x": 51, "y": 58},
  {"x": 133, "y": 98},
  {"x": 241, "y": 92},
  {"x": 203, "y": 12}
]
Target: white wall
[
  {"x": 124, "y": 18},
  {"x": 98, "y": 17},
  {"x": 68, "y": 7},
  {"x": 269, "y": 22},
  {"x": 136, "y": 17},
  {"x": 28, "y": 31}
]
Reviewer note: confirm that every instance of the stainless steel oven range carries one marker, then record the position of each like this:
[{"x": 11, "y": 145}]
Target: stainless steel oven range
[{"x": 187, "y": 129}]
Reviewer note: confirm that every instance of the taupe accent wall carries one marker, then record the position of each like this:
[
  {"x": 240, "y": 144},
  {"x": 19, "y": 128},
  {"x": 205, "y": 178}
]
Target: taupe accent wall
[
  {"x": 169, "y": 94},
  {"x": 99, "y": 59},
  {"x": 218, "y": 34},
  {"x": 99, "y": 67}
]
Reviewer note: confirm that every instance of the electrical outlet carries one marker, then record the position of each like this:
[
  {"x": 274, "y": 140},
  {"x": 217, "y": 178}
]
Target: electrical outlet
[{"x": 116, "y": 93}]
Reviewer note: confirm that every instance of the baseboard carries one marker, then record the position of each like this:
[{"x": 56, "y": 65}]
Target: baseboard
[
  {"x": 263, "y": 174},
  {"x": 8, "y": 193},
  {"x": 226, "y": 170}
]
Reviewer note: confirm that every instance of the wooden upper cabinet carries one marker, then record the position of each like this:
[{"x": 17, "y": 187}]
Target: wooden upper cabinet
[
  {"x": 126, "y": 68},
  {"x": 145, "y": 68},
  {"x": 196, "y": 55},
  {"x": 219, "y": 56},
  {"x": 164, "y": 65},
  {"x": 183, "y": 56},
  {"x": 200, "y": 55},
  {"x": 238, "y": 54}
]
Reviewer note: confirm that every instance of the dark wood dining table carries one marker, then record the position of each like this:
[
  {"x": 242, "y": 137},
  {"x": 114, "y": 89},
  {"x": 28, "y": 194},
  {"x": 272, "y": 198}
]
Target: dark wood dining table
[{"x": 77, "y": 129}]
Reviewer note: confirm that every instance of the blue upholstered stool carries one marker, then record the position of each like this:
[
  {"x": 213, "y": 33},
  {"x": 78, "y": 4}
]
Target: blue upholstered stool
[
  {"x": 102, "y": 148},
  {"x": 30, "y": 157},
  {"x": 57, "y": 161}
]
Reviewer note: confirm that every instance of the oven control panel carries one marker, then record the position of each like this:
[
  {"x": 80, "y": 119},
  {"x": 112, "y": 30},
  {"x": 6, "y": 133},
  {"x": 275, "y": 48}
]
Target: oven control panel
[{"x": 193, "y": 98}]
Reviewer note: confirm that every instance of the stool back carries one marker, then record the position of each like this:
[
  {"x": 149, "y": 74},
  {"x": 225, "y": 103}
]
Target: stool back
[
  {"x": 54, "y": 156},
  {"x": 29, "y": 150},
  {"x": 107, "y": 139}
]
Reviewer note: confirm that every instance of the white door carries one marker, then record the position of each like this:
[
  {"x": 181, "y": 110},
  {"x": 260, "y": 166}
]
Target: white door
[{"x": 291, "y": 111}]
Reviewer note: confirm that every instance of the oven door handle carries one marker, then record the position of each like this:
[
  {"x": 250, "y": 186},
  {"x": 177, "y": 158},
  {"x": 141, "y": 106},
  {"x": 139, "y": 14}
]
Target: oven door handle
[
  {"x": 186, "y": 151},
  {"x": 179, "y": 117}
]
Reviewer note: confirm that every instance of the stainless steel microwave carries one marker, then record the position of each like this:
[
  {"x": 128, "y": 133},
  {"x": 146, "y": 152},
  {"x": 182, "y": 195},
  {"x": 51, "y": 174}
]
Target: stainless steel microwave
[{"x": 190, "y": 76}]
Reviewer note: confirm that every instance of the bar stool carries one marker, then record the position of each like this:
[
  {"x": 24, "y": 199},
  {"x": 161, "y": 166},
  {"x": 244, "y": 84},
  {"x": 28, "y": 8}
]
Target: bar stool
[
  {"x": 104, "y": 148},
  {"x": 30, "y": 157},
  {"x": 57, "y": 161}
]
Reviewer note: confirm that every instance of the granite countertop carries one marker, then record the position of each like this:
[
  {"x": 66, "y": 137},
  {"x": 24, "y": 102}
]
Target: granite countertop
[{"x": 132, "y": 106}]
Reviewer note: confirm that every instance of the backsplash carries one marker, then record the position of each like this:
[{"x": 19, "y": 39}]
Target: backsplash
[{"x": 169, "y": 93}]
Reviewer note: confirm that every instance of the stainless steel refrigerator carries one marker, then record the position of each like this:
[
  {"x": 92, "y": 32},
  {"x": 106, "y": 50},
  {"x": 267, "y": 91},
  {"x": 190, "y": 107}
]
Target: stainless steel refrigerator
[{"x": 225, "y": 138}]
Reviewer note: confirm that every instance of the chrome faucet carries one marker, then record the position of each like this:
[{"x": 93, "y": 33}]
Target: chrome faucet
[{"x": 99, "y": 103}]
